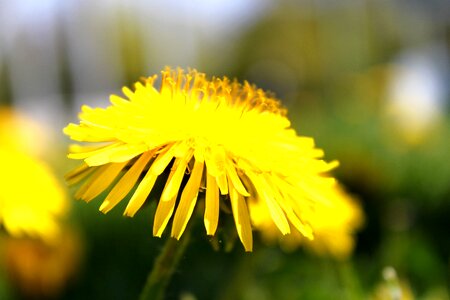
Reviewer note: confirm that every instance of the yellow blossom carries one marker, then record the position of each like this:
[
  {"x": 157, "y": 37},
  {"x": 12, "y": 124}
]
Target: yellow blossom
[
  {"x": 20, "y": 132},
  {"x": 232, "y": 142},
  {"x": 31, "y": 199},
  {"x": 41, "y": 270},
  {"x": 334, "y": 222}
]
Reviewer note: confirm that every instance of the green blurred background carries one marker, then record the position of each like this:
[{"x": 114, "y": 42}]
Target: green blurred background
[{"x": 369, "y": 80}]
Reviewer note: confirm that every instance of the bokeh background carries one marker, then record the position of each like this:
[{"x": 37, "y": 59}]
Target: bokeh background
[{"x": 368, "y": 79}]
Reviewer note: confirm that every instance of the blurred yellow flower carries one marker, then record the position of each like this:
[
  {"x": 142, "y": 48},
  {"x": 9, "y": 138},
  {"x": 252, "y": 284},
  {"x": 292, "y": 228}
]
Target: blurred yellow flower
[
  {"x": 31, "y": 199},
  {"x": 230, "y": 139},
  {"x": 19, "y": 132},
  {"x": 333, "y": 222},
  {"x": 41, "y": 270},
  {"x": 392, "y": 287}
]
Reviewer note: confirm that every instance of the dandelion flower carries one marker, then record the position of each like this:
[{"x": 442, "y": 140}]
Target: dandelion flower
[
  {"x": 232, "y": 142},
  {"x": 40, "y": 270},
  {"x": 20, "y": 132},
  {"x": 334, "y": 223},
  {"x": 31, "y": 199}
]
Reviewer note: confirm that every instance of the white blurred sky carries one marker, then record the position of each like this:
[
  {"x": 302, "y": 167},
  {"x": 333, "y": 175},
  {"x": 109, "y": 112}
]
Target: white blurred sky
[
  {"x": 418, "y": 88},
  {"x": 172, "y": 32}
]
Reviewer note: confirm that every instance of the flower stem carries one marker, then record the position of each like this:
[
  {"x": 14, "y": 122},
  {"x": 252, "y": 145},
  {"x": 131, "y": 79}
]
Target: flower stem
[
  {"x": 350, "y": 280},
  {"x": 165, "y": 265}
]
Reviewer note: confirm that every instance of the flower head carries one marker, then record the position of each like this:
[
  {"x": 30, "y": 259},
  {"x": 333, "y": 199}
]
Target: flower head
[
  {"x": 20, "y": 132},
  {"x": 32, "y": 201},
  {"x": 39, "y": 270},
  {"x": 229, "y": 140}
]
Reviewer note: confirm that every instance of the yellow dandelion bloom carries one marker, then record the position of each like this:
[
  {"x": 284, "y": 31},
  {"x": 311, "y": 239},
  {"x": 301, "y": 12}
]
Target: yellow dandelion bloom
[
  {"x": 32, "y": 201},
  {"x": 231, "y": 140},
  {"x": 334, "y": 223},
  {"x": 20, "y": 132},
  {"x": 40, "y": 270}
]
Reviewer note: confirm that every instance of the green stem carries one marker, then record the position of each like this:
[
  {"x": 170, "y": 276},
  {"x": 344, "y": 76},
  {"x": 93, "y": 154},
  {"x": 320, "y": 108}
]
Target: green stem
[
  {"x": 165, "y": 265},
  {"x": 349, "y": 280}
]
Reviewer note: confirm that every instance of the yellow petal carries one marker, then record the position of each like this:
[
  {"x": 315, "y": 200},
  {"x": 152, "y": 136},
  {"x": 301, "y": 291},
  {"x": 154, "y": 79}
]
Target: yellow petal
[
  {"x": 211, "y": 217},
  {"x": 89, "y": 149},
  {"x": 266, "y": 193},
  {"x": 286, "y": 205},
  {"x": 163, "y": 160},
  {"x": 187, "y": 201},
  {"x": 162, "y": 215},
  {"x": 215, "y": 165},
  {"x": 120, "y": 153},
  {"x": 234, "y": 178},
  {"x": 241, "y": 218},
  {"x": 84, "y": 133},
  {"x": 118, "y": 101},
  {"x": 305, "y": 230},
  {"x": 78, "y": 174},
  {"x": 127, "y": 92},
  {"x": 82, "y": 152},
  {"x": 127, "y": 152},
  {"x": 223, "y": 184},
  {"x": 169, "y": 195},
  {"x": 215, "y": 161},
  {"x": 141, "y": 194},
  {"x": 313, "y": 192},
  {"x": 199, "y": 154},
  {"x": 146, "y": 185},
  {"x": 102, "y": 178},
  {"x": 126, "y": 183},
  {"x": 173, "y": 183}
]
